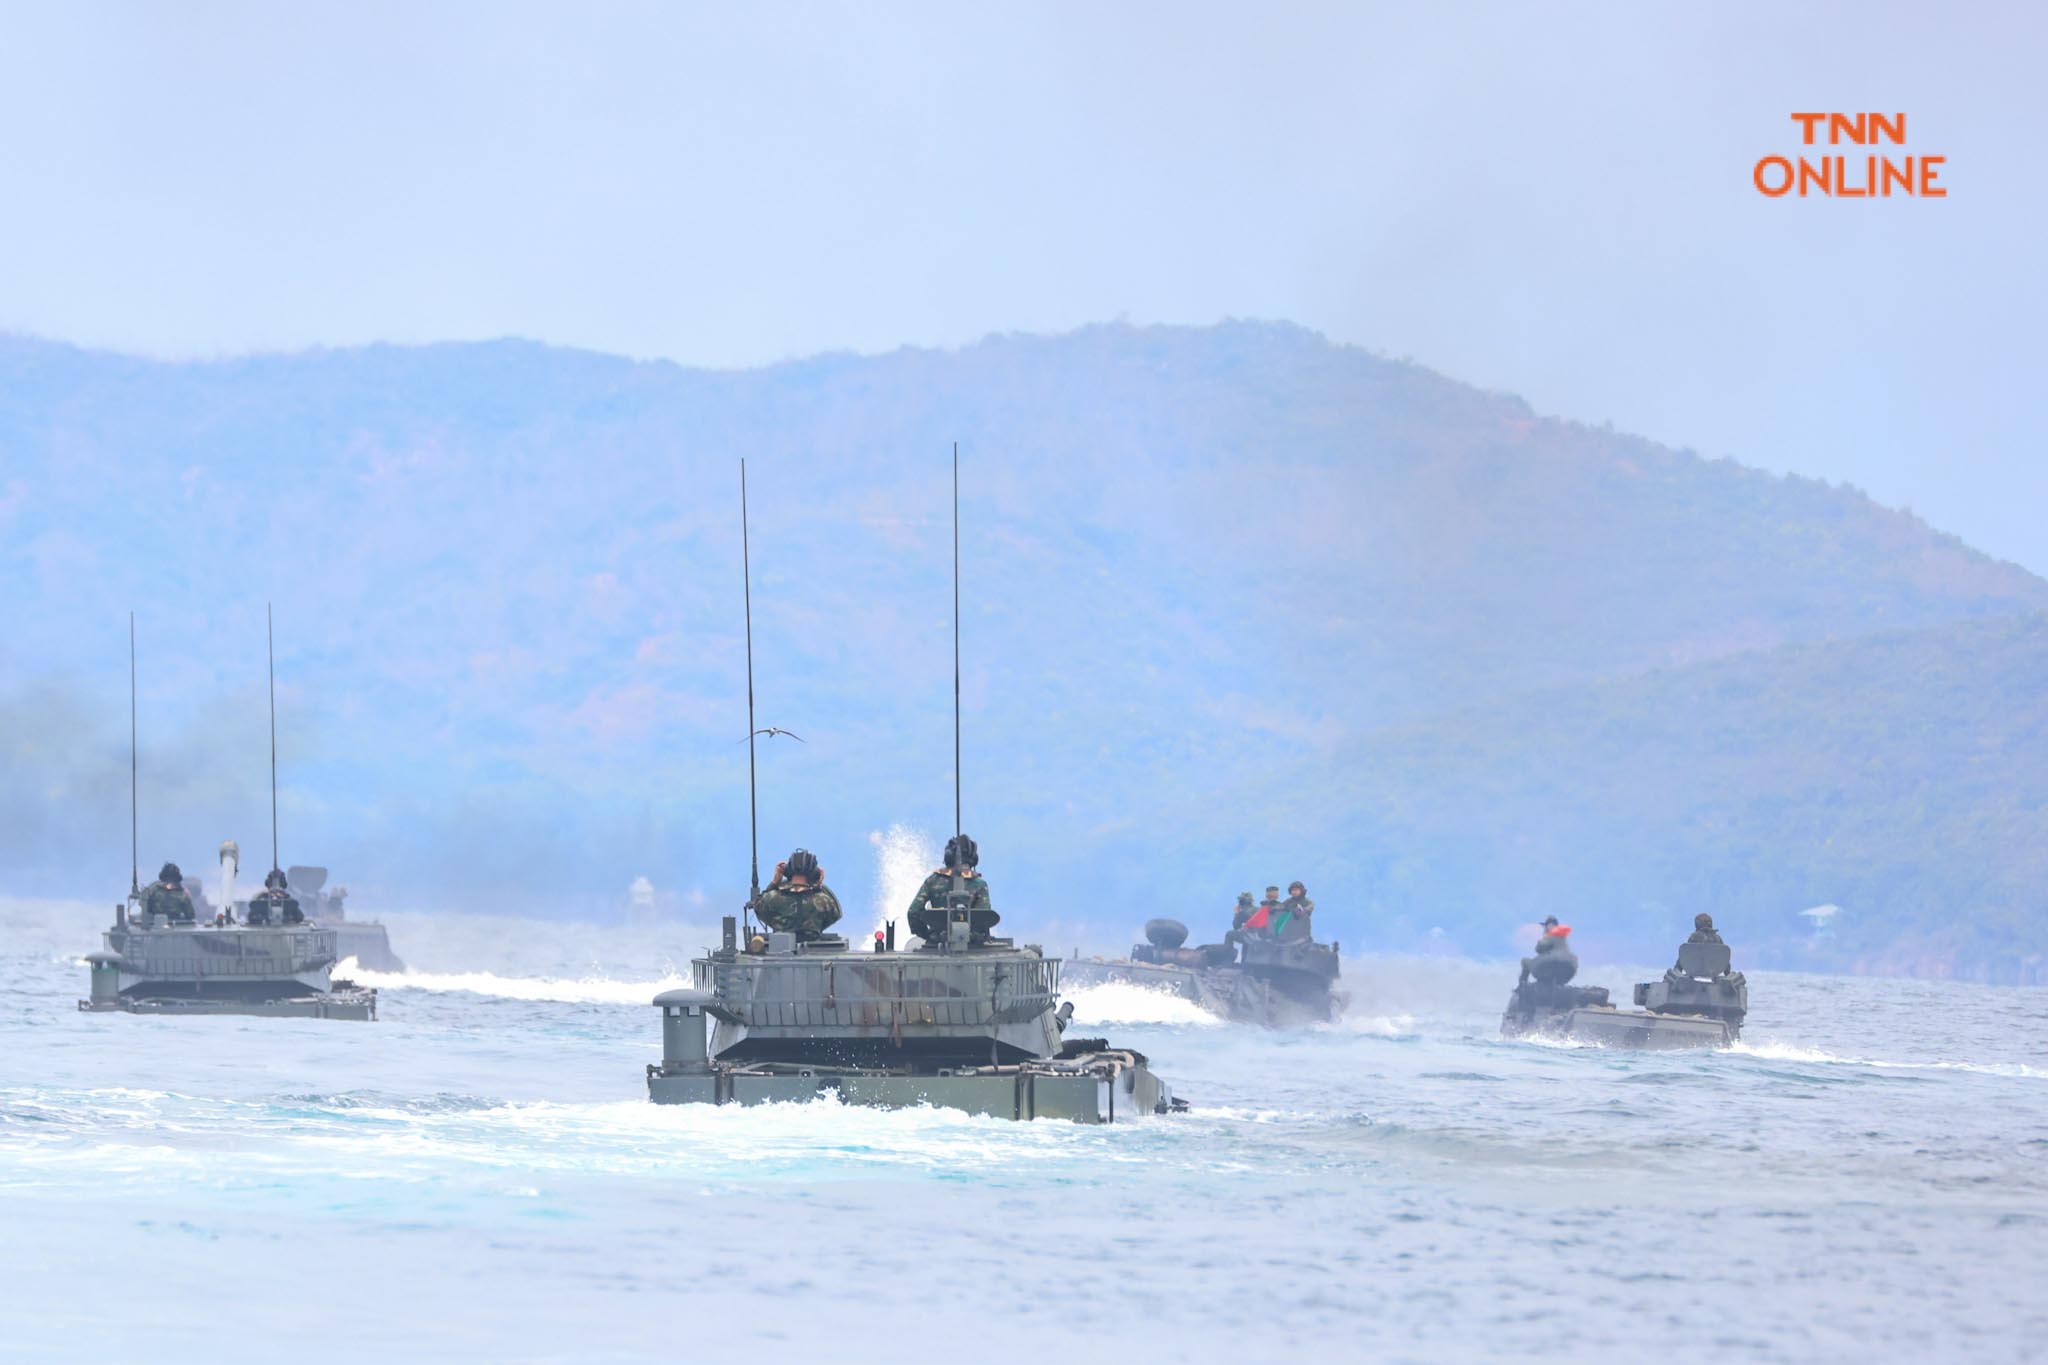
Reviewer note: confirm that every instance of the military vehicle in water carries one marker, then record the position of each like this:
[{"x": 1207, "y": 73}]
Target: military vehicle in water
[
  {"x": 1251, "y": 980},
  {"x": 971, "y": 1023},
  {"x": 965, "y": 1020},
  {"x": 364, "y": 940},
  {"x": 151, "y": 965},
  {"x": 161, "y": 958},
  {"x": 1701, "y": 1002}
]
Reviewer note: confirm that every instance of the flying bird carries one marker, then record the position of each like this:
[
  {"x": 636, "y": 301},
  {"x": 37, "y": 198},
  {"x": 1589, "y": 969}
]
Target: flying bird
[{"x": 774, "y": 730}]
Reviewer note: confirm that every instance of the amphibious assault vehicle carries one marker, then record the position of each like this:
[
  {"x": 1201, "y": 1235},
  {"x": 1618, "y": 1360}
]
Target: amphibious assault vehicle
[
  {"x": 364, "y": 940},
  {"x": 1700, "y": 1002},
  {"x": 160, "y": 960},
  {"x": 965, "y": 1020},
  {"x": 1275, "y": 984},
  {"x": 153, "y": 966},
  {"x": 966, "y": 1023}
]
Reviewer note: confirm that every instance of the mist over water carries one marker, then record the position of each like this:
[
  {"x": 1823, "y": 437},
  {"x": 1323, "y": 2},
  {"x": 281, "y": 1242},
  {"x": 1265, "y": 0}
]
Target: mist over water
[{"x": 479, "y": 1175}]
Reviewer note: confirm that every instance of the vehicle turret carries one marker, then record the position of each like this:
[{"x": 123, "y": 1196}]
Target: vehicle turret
[{"x": 1702, "y": 983}]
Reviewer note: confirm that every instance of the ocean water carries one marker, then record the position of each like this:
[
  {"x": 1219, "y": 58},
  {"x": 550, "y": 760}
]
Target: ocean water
[{"x": 478, "y": 1175}]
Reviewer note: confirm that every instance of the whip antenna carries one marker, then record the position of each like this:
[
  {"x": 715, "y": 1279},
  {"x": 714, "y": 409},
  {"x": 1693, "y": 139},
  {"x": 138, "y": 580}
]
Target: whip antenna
[
  {"x": 270, "y": 648},
  {"x": 956, "y": 639},
  {"x": 956, "y": 899},
  {"x": 134, "y": 845},
  {"x": 753, "y": 808}
]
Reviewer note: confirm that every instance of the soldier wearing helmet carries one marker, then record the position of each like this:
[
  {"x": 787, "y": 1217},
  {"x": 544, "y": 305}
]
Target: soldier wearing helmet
[
  {"x": 1703, "y": 930},
  {"x": 797, "y": 900},
  {"x": 928, "y": 906},
  {"x": 274, "y": 904},
  {"x": 167, "y": 897},
  {"x": 1293, "y": 918}
]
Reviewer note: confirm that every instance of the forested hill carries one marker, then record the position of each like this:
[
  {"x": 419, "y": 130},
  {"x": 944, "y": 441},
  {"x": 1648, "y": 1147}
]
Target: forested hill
[
  {"x": 1879, "y": 803},
  {"x": 1241, "y": 605}
]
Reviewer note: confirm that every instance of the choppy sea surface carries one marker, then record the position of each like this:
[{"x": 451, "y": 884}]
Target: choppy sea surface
[{"x": 479, "y": 1175}]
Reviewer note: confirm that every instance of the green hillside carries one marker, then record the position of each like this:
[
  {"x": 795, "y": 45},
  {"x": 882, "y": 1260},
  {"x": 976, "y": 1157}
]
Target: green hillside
[{"x": 1901, "y": 778}]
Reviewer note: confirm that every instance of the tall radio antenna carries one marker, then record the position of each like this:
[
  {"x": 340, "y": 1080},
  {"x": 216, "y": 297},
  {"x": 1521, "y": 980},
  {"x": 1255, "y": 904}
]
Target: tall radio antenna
[
  {"x": 270, "y": 648},
  {"x": 956, "y": 639},
  {"x": 134, "y": 844},
  {"x": 753, "y": 808}
]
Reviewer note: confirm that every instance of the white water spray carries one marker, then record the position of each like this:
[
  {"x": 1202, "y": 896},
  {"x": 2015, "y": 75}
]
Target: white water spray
[
  {"x": 1124, "y": 1002},
  {"x": 640, "y": 904},
  {"x": 904, "y": 857},
  {"x": 230, "y": 863}
]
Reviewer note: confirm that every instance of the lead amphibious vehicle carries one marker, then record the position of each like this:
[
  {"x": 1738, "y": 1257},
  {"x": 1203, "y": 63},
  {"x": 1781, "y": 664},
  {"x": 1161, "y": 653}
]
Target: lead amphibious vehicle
[{"x": 966, "y": 1023}]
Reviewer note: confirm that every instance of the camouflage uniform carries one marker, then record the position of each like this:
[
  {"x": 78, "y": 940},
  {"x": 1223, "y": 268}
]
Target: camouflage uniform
[
  {"x": 1299, "y": 910},
  {"x": 928, "y": 907},
  {"x": 1245, "y": 908},
  {"x": 806, "y": 911},
  {"x": 169, "y": 900}
]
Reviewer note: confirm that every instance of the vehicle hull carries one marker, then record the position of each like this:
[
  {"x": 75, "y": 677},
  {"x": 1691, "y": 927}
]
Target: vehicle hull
[
  {"x": 357, "y": 1004},
  {"x": 1093, "y": 1090},
  {"x": 1292, "y": 1000},
  {"x": 975, "y": 1028},
  {"x": 271, "y": 972},
  {"x": 1606, "y": 1026}
]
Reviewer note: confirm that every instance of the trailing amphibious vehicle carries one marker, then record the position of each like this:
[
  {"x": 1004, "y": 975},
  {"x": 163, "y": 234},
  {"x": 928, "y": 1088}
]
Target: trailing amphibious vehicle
[
  {"x": 155, "y": 964},
  {"x": 965, "y": 1020},
  {"x": 1249, "y": 980},
  {"x": 968, "y": 1022},
  {"x": 1700, "y": 1002},
  {"x": 365, "y": 940},
  {"x": 161, "y": 957}
]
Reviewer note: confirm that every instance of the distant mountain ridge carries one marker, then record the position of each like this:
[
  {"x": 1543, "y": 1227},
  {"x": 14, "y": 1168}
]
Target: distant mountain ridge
[{"x": 1213, "y": 576}]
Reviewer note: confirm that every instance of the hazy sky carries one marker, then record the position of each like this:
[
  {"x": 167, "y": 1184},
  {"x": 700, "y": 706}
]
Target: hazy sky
[{"x": 1550, "y": 199}]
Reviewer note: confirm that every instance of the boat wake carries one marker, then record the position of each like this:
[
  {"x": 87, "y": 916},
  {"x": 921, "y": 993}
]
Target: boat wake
[
  {"x": 1120, "y": 1002},
  {"x": 587, "y": 990},
  {"x": 1784, "y": 1052},
  {"x": 1377, "y": 1025}
]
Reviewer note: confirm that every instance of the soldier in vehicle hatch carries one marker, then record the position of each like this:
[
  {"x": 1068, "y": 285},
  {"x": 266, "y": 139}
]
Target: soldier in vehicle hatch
[
  {"x": 1703, "y": 930},
  {"x": 797, "y": 900},
  {"x": 166, "y": 896},
  {"x": 928, "y": 906},
  {"x": 1554, "y": 963},
  {"x": 1292, "y": 919},
  {"x": 274, "y": 904}
]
